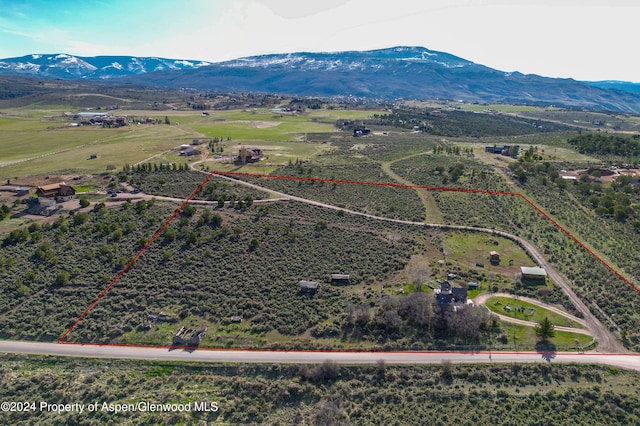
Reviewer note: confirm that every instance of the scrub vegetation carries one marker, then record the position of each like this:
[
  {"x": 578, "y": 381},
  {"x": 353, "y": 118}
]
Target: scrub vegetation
[{"x": 327, "y": 393}]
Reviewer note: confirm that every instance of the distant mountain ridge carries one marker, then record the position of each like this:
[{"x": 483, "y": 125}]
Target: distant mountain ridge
[
  {"x": 625, "y": 86},
  {"x": 64, "y": 66},
  {"x": 375, "y": 75}
]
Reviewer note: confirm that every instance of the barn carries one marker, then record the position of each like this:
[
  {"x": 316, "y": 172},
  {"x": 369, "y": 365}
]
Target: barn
[{"x": 533, "y": 274}]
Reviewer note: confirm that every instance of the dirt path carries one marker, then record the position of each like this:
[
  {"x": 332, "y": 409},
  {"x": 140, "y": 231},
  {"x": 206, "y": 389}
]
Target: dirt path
[
  {"x": 431, "y": 211},
  {"x": 607, "y": 343}
]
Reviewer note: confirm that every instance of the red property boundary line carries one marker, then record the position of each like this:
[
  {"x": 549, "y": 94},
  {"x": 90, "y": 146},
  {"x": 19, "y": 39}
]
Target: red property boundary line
[
  {"x": 442, "y": 189},
  {"x": 135, "y": 257},
  {"x": 315, "y": 179}
]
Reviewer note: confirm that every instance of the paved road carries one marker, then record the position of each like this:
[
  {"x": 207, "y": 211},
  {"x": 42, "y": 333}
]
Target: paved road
[
  {"x": 606, "y": 341},
  {"x": 626, "y": 361}
]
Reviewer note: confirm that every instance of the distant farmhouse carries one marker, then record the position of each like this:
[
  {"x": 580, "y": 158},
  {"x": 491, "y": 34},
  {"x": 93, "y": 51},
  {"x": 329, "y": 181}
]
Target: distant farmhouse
[
  {"x": 103, "y": 119},
  {"x": 191, "y": 152},
  {"x": 507, "y": 150},
  {"x": 56, "y": 192},
  {"x": 249, "y": 155}
]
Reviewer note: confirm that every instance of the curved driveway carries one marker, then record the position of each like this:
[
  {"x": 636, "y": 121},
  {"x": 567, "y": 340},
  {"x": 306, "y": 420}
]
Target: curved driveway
[{"x": 482, "y": 299}]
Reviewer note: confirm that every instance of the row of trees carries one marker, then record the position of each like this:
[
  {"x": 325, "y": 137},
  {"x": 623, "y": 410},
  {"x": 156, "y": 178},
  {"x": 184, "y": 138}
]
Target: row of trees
[
  {"x": 608, "y": 145},
  {"x": 155, "y": 167},
  {"x": 462, "y": 123},
  {"x": 418, "y": 314}
]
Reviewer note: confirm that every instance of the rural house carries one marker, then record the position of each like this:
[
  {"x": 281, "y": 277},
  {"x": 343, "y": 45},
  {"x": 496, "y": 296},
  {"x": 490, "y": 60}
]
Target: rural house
[
  {"x": 494, "y": 258},
  {"x": 56, "y": 191},
  {"x": 448, "y": 294},
  {"x": 459, "y": 294},
  {"x": 192, "y": 151},
  {"x": 249, "y": 155},
  {"x": 444, "y": 293}
]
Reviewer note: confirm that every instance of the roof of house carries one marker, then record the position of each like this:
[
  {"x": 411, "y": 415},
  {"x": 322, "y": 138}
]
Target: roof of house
[
  {"x": 308, "y": 284},
  {"x": 494, "y": 253},
  {"x": 56, "y": 189},
  {"x": 533, "y": 271},
  {"x": 339, "y": 276},
  {"x": 51, "y": 187},
  {"x": 459, "y": 292},
  {"x": 66, "y": 189}
]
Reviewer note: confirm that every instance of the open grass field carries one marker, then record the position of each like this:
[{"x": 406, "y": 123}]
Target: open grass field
[
  {"x": 48, "y": 151},
  {"x": 32, "y": 145},
  {"x": 522, "y": 338},
  {"x": 520, "y": 309},
  {"x": 250, "y": 130},
  {"x": 469, "y": 249}
]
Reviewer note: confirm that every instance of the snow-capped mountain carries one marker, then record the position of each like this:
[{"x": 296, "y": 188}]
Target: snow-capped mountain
[
  {"x": 398, "y": 72},
  {"x": 66, "y": 66},
  {"x": 384, "y": 74},
  {"x": 352, "y": 60}
]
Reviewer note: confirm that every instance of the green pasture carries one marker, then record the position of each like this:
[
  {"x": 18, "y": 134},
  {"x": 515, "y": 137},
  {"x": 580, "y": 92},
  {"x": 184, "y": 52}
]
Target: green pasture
[
  {"x": 264, "y": 114},
  {"x": 253, "y": 130},
  {"x": 469, "y": 248},
  {"x": 32, "y": 145},
  {"x": 231, "y": 167},
  {"x": 527, "y": 311},
  {"x": 520, "y": 337},
  {"x": 68, "y": 151}
]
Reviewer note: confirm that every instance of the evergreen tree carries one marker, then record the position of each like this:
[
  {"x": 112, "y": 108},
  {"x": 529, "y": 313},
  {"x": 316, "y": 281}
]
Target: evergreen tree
[{"x": 545, "y": 329}]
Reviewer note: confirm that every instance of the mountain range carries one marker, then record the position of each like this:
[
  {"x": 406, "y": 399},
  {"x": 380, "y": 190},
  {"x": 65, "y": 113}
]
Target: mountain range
[
  {"x": 69, "y": 67},
  {"x": 375, "y": 75}
]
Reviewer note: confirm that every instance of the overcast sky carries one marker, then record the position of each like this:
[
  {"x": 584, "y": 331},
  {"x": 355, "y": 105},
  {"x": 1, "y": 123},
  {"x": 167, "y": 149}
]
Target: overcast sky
[{"x": 581, "y": 39}]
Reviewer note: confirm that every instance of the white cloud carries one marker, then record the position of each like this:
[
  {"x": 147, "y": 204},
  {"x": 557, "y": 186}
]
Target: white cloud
[{"x": 585, "y": 39}]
